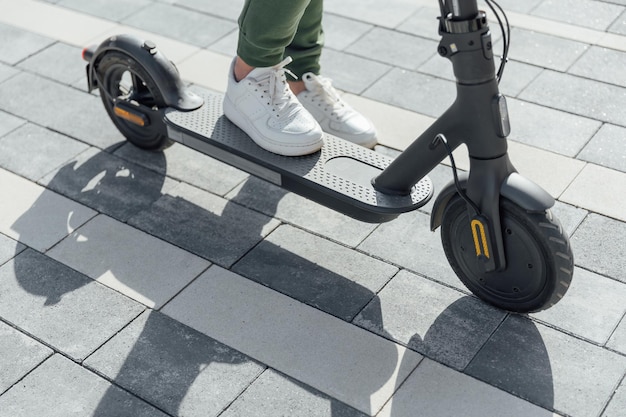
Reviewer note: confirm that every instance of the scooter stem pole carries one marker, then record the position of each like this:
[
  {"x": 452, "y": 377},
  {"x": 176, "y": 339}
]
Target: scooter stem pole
[{"x": 461, "y": 9}]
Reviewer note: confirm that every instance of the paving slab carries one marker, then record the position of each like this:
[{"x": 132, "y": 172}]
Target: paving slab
[
  {"x": 60, "y": 306},
  {"x": 33, "y": 151},
  {"x": 62, "y": 388},
  {"x": 9, "y": 248},
  {"x": 228, "y": 9},
  {"x": 334, "y": 66},
  {"x": 204, "y": 224},
  {"x": 601, "y": 64},
  {"x": 618, "y": 340},
  {"x": 436, "y": 390},
  {"x": 436, "y": 321},
  {"x": 174, "y": 367},
  {"x": 7, "y": 72},
  {"x": 274, "y": 394},
  {"x": 569, "y": 216},
  {"x": 60, "y": 62},
  {"x": 341, "y": 32},
  {"x": 591, "y": 309},
  {"x": 343, "y": 361},
  {"x": 549, "y": 368},
  {"x": 394, "y": 12},
  {"x": 19, "y": 354},
  {"x": 325, "y": 275},
  {"x": 130, "y": 261},
  {"x": 9, "y": 123},
  {"x": 607, "y": 148},
  {"x": 588, "y": 13},
  {"x": 23, "y": 43},
  {"x": 37, "y": 217},
  {"x": 107, "y": 9},
  {"x": 618, "y": 403},
  {"x": 545, "y": 50},
  {"x": 619, "y": 26}
]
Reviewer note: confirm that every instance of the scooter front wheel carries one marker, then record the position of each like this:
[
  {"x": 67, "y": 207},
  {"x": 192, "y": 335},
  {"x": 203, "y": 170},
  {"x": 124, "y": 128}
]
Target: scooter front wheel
[
  {"x": 539, "y": 260},
  {"x": 133, "y": 100}
]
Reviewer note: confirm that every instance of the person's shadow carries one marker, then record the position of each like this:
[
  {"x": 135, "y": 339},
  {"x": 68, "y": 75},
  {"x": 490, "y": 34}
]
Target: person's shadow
[{"x": 99, "y": 184}]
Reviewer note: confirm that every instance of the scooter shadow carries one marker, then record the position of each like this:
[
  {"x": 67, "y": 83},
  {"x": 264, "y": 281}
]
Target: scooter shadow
[{"x": 142, "y": 202}]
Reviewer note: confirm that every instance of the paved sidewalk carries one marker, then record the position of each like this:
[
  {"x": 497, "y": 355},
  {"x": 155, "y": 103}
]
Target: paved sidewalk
[{"x": 168, "y": 284}]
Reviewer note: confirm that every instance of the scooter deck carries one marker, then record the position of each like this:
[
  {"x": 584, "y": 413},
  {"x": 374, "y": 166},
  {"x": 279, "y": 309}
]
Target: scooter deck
[{"x": 339, "y": 176}]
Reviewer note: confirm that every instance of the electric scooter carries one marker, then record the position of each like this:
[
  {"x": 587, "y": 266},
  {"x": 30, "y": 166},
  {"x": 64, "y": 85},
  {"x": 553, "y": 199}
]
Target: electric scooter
[{"x": 497, "y": 229}]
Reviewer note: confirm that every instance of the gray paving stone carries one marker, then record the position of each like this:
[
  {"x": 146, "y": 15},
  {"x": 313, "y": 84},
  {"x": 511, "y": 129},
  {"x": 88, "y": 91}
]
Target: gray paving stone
[
  {"x": 413, "y": 91},
  {"x": 569, "y": 216},
  {"x": 422, "y": 23},
  {"x": 184, "y": 164},
  {"x": 180, "y": 24},
  {"x": 174, "y": 367},
  {"x": 548, "y": 368},
  {"x": 204, "y": 224},
  {"x": 341, "y": 32},
  {"x": 603, "y": 255},
  {"x": 620, "y": 25},
  {"x": 7, "y": 72},
  {"x": 107, "y": 9},
  {"x": 592, "y": 307},
  {"x": 60, "y": 306},
  {"x": 340, "y": 68},
  {"x": 60, "y": 62},
  {"x": 9, "y": 123},
  {"x": 229, "y": 9},
  {"x": 325, "y": 275},
  {"x": 74, "y": 113},
  {"x": 408, "y": 51},
  {"x": 573, "y": 94},
  {"x": 108, "y": 184},
  {"x": 587, "y": 13},
  {"x": 519, "y": 6},
  {"x": 275, "y": 202},
  {"x": 61, "y": 388},
  {"x": 602, "y": 64},
  {"x": 543, "y": 50},
  {"x": 22, "y": 44},
  {"x": 226, "y": 45},
  {"x": 618, "y": 403},
  {"x": 19, "y": 354},
  {"x": 32, "y": 151},
  {"x": 618, "y": 340},
  {"x": 9, "y": 248},
  {"x": 436, "y": 321},
  {"x": 607, "y": 148},
  {"x": 390, "y": 16},
  {"x": 549, "y": 129},
  {"x": 276, "y": 395}
]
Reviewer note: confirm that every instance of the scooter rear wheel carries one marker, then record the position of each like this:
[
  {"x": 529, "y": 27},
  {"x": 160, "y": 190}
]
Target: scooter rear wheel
[
  {"x": 123, "y": 80},
  {"x": 539, "y": 260}
]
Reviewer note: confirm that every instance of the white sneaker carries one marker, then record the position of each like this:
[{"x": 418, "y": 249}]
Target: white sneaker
[
  {"x": 263, "y": 106},
  {"x": 332, "y": 113}
]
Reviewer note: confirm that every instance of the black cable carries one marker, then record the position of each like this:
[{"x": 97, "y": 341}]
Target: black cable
[{"x": 506, "y": 34}]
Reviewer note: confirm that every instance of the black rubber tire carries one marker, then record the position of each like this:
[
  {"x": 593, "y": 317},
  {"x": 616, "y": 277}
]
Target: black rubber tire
[
  {"x": 539, "y": 259},
  {"x": 111, "y": 70}
]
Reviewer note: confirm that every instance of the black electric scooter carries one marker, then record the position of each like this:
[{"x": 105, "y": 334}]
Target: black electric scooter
[{"x": 496, "y": 226}]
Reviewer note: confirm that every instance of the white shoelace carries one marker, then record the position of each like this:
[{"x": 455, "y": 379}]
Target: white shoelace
[
  {"x": 321, "y": 90},
  {"x": 274, "y": 84}
]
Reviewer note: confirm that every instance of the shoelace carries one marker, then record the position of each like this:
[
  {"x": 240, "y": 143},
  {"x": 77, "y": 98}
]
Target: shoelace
[
  {"x": 321, "y": 89},
  {"x": 274, "y": 84}
]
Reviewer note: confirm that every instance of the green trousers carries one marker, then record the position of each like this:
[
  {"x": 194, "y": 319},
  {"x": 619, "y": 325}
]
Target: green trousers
[{"x": 270, "y": 30}]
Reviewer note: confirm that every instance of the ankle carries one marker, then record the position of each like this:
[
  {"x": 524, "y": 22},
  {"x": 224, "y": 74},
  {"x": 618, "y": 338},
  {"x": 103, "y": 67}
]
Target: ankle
[
  {"x": 241, "y": 69},
  {"x": 297, "y": 86}
]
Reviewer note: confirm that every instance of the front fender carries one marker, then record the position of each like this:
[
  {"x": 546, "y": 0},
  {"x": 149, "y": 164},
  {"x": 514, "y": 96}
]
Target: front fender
[{"x": 162, "y": 71}]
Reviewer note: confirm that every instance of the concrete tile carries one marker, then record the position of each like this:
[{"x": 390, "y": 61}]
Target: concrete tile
[
  {"x": 9, "y": 248},
  {"x": 19, "y": 354},
  {"x": 592, "y": 307},
  {"x": 589, "y": 98},
  {"x": 32, "y": 151},
  {"x": 548, "y": 368},
  {"x": 163, "y": 271},
  {"x": 325, "y": 275},
  {"x": 408, "y": 51},
  {"x": 9, "y": 123},
  {"x": 618, "y": 339},
  {"x": 306, "y": 344},
  {"x": 177, "y": 369},
  {"x": 341, "y": 32},
  {"x": 587, "y": 13},
  {"x": 609, "y": 198},
  {"x": 338, "y": 67},
  {"x": 435, "y": 390},
  {"x": 61, "y": 388},
  {"x": 226, "y": 45},
  {"x": 206, "y": 68},
  {"x": 184, "y": 164},
  {"x": 545, "y": 50},
  {"x": 601, "y": 64},
  {"x": 617, "y": 404},
  {"x": 37, "y": 217},
  {"x": 7, "y": 72},
  {"x": 23, "y": 97},
  {"x": 108, "y": 184},
  {"x": 390, "y": 16},
  {"x": 60, "y": 62},
  {"x": 554, "y": 28},
  {"x": 413, "y": 91},
  {"x": 106, "y": 9},
  {"x": 570, "y": 217},
  {"x": 517, "y": 6},
  {"x": 598, "y": 245},
  {"x": 228, "y": 9},
  {"x": 204, "y": 224},
  {"x": 22, "y": 43},
  {"x": 607, "y": 148},
  {"x": 180, "y": 24},
  {"x": 423, "y": 22},
  {"x": 549, "y": 129},
  {"x": 273, "y": 201},
  {"x": 619, "y": 26},
  {"x": 54, "y": 22},
  {"x": 436, "y": 321},
  {"x": 60, "y": 306},
  {"x": 273, "y": 394}
]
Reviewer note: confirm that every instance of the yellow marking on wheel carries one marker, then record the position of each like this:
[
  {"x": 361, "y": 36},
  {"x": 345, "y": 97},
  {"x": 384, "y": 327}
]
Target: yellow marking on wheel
[{"x": 480, "y": 238}]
